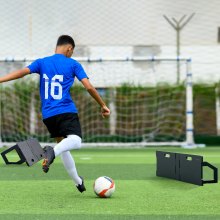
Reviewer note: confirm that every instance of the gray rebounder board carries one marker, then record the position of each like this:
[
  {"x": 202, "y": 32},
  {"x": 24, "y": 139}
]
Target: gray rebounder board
[
  {"x": 184, "y": 167},
  {"x": 29, "y": 151}
]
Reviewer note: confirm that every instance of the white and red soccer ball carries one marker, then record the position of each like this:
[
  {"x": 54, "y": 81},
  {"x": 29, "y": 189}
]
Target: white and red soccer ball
[{"x": 104, "y": 187}]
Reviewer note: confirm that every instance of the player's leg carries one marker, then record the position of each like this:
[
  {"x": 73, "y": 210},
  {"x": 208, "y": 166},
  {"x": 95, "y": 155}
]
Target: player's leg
[
  {"x": 71, "y": 142},
  {"x": 64, "y": 125},
  {"x": 63, "y": 149},
  {"x": 49, "y": 157},
  {"x": 64, "y": 144},
  {"x": 70, "y": 167}
]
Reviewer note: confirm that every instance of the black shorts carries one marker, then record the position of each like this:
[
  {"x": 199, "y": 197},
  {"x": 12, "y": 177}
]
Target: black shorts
[{"x": 63, "y": 124}]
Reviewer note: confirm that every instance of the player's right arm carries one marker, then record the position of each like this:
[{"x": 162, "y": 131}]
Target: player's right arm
[
  {"x": 15, "y": 75},
  {"x": 81, "y": 75},
  {"x": 105, "y": 111}
]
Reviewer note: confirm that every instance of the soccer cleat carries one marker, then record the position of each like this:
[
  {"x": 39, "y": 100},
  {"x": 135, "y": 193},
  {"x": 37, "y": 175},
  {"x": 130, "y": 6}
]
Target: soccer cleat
[
  {"x": 48, "y": 158},
  {"x": 81, "y": 187}
]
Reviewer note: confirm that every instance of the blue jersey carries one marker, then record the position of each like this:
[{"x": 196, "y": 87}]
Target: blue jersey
[{"x": 57, "y": 75}]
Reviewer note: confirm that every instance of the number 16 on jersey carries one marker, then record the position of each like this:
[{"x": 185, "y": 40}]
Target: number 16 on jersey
[{"x": 54, "y": 84}]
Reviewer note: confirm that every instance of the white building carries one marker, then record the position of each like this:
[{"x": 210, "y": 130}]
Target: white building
[{"x": 29, "y": 28}]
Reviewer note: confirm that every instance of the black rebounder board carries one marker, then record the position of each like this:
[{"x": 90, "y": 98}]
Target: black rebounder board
[
  {"x": 29, "y": 151},
  {"x": 184, "y": 167}
]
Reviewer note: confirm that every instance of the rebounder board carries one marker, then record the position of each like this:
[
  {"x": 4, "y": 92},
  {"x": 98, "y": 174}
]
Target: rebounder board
[
  {"x": 29, "y": 151},
  {"x": 184, "y": 167}
]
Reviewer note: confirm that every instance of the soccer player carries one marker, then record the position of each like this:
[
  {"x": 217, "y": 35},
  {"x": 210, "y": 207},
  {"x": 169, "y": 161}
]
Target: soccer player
[{"x": 57, "y": 74}]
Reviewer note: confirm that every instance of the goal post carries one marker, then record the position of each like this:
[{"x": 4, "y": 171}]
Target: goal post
[{"x": 147, "y": 107}]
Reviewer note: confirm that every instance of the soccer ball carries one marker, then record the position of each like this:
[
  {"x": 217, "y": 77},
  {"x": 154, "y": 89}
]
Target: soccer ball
[{"x": 104, "y": 187}]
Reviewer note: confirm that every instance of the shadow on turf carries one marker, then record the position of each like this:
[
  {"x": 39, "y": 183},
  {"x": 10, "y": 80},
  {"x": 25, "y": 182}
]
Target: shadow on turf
[{"x": 173, "y": 184}]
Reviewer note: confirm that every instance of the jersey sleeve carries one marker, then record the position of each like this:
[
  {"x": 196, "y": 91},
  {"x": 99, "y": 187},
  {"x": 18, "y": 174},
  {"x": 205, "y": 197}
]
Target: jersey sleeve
[
  {"x": 35, "y": 66},
  {"x": 80, "y": 72}
]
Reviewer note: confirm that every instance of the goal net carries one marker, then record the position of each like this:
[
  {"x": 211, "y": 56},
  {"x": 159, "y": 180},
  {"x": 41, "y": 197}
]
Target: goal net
[{"x": 148, "y": 106}]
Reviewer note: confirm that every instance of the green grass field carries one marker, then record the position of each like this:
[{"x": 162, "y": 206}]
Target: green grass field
[{"x": 28, "y": 193}]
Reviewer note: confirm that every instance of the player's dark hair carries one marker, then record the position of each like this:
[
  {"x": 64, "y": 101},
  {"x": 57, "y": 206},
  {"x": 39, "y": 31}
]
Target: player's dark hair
[{"x": 65, "y": 39}]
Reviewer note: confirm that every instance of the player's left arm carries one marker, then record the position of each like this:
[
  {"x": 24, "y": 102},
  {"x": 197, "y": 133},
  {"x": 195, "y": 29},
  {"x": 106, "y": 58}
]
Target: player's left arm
[
  {"x": 15, "y": 75},
  {"x": 105, "y": 111}
]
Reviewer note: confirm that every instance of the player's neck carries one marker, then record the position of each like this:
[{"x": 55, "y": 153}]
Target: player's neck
[{"x": 61, "y": 50}]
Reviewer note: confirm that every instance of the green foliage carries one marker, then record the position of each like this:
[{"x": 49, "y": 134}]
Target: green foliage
[
  {"x": 15, "y": 103},
  {"x": 139, "y": 109},
  {"x": 204, "y": 96},
  {"x": 155, "y": 107},
  {"x": 218, "y": 89}
]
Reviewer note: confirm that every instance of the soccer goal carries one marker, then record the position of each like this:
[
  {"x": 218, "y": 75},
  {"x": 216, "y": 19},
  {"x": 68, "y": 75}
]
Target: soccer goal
[{"x": 149, "y": 107}]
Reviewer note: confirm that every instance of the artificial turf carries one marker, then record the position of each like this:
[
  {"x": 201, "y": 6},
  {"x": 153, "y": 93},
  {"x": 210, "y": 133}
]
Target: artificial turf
[{"x": 28, "y": 193}]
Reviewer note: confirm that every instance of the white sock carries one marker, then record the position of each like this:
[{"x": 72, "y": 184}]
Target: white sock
[
  {"x": 67, "y": 144},
  {"x": 63, "y": 148},
  {"x": 70, "y": 167}
]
